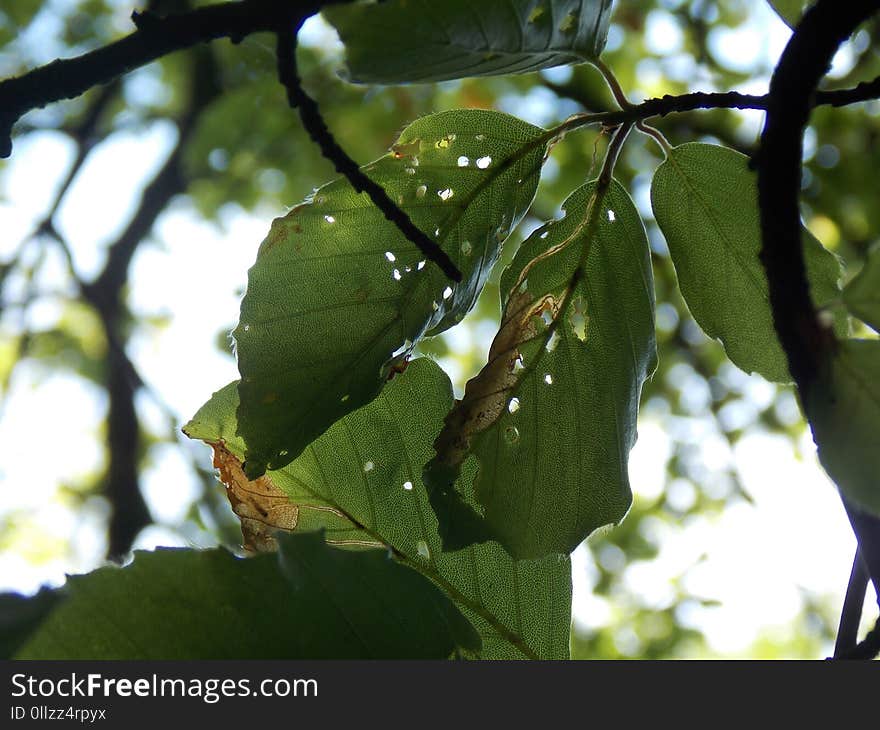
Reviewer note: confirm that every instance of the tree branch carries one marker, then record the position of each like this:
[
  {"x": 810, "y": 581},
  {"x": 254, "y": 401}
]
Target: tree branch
[
  {"x": 851, "y": 613},
  {"x": 155, "y": 37},
  {"x": 806, "y": 342},
  {"x": 316, "y": 127}
]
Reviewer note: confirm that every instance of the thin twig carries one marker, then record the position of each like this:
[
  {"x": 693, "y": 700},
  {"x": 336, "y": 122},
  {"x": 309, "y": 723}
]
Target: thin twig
[
  {"x": 851, "y": 613},
  {"x": 317, "y": 128}
]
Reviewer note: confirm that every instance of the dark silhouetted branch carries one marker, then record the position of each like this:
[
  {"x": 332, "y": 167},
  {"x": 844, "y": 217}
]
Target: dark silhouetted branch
[
  {"x": 851, "y": 613},
  {"x": 806, "y": 59},
  {"x": 155, "y": 37},
  {"x": 317, "y": 128}
]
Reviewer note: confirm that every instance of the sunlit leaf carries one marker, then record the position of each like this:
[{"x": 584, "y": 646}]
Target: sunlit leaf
[
  {"x": 705, "y": 200},
  {"x": 844, "y": 411},
  {"x": 20, "y": 615},
  {"x": 338, "y": 294},
  {"x": 551, "y": 418},
  {"x": 862, "y": 294},
  {"x": 424, "y": 41},
  {"x": 790, "y": 10},
  {"x": 368, "y": 467},
  {"x": 310, "y": 601},
  {"x": 264, "y": 509}
]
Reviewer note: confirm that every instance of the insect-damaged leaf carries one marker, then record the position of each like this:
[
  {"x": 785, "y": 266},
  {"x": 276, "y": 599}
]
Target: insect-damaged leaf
[
  {"x": 551, "y": 418},
  {"x": 423, "y": 41},
  {"x": 338, "y": 295},
  {"x": 368, "y": 467},
  {"x": 844, "y": 411},
  {"x": 311, "y": 601},
  {"x": 705, "y": 200}
]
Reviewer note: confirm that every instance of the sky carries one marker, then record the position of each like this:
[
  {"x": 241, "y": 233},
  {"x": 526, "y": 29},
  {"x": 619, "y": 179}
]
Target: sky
[{"x": 755, "y": 559}]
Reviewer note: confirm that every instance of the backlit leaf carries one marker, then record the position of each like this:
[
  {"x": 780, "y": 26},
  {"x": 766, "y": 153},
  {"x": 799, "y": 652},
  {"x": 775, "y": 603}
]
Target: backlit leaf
[
  {"x": 844, "y": 412},
  {"x": 421, "y": 41},
  {"x": 338, "y": 295},
  {"x": 705, "y": 200},
  {"x": 551, "y": 418},
  {"x": 368, "y": 467},
  {"x": 862, "y": 294},
  {"x": 310, "y": 601},
  {"x": 790, "y": 10}
]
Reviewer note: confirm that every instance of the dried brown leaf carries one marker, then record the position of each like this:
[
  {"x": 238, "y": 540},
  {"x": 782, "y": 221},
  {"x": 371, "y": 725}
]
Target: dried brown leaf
[
  {"x": 486, "y": 395},
  {"x": 260, "y": 505}
]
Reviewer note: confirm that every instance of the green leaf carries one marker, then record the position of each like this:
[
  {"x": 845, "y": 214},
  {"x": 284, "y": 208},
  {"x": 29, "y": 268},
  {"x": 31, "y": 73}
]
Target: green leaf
[
  {"x": 862, "y": 294},
  {"x": 368, "y": 466},
  {"x": 20, "y": 615},
  {"x": 790, "y": 11},
  {"x": 844, "y": 411},
  {"x": 552, "y": 416},
  {"x": 310, "y": 601},
  {"x": 338, "y": 295},
  {"x": 706, "y": 203},
  {"x": 421, "y": 41}
]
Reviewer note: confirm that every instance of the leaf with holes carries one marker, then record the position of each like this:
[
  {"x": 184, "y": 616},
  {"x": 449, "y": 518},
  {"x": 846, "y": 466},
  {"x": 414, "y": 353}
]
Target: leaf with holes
[
  {"x": 844, "y": 412},
  {"x": 208, "y": 604},
  {"x": 421, "y": 41},
  {"x": 368, "y": 467},
  {"x": 264, "y": 509},
  {"x": 705, "y": 200},
  {"x": 551, "y": 418},
  {"x": 862, "y": 294},
  {"x": 338, "y": 295}
]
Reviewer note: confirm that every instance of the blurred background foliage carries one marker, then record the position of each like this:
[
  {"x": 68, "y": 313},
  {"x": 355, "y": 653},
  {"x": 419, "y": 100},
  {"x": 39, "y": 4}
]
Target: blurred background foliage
[{"x": 234, "y": 148}]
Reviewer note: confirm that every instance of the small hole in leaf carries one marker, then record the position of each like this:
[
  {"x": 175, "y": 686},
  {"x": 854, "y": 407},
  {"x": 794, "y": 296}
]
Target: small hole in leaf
[
  {"x": 329, "y": 219},
  {"x": 421, "y": 190},
  {"x": 445, "y": 194},
  {"x": 466, "y": 248},
  {"x": 578, "y": 319},
  {"x": 548, "y": 379},
  {"x": 611, "y": 216},
  {"x": 396, "y": 275},
  {"x": 390, "y": 256},
  {"x": 420, "y": 265},
  {"x": 369, "y": 466},
  {"x": 552, "y": 342},
  {"x": 422, "y": 549},
  {"x": 408, "y": 486},
  {"x": 447, "y": 292},
  {"x": 463, "y": 161},
  {"x": 484, "y": 162},
  {"x": 513, "y": 405},
  {"x": 445, "y": 142},
  {"x": 511, "y": 434}
]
